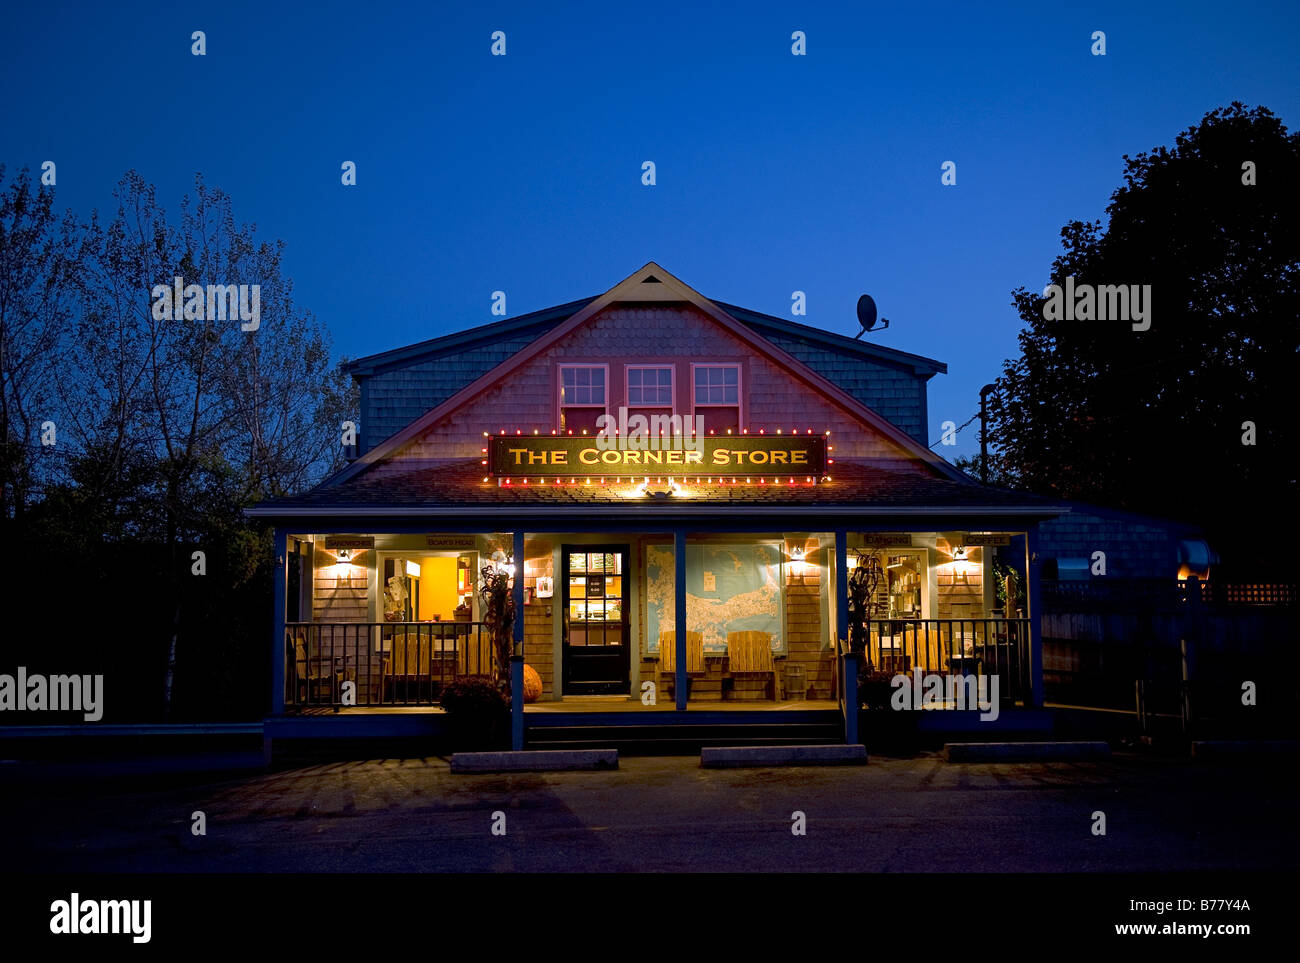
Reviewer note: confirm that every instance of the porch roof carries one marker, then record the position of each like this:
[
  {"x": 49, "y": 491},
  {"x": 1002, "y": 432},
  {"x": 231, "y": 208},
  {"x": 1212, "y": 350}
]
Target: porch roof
[{"x": 448, "y": 487}]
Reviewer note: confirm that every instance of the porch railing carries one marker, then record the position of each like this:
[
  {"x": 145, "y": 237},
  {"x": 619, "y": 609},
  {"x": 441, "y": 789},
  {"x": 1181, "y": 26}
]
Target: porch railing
[
  {"x": 979, "y": 647},
  {"x": 388, "y": 663}
]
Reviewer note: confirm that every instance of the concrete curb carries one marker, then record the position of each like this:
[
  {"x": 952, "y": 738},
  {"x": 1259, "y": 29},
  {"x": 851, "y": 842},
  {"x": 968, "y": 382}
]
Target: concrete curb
[
  {"x": 130, "y": 731},
  {"x": 540, "y": 760},
  {"x": 1024, "y": 751},
  {"x": 736, "y": 757},
  {"x": 1221, "y": 748}
]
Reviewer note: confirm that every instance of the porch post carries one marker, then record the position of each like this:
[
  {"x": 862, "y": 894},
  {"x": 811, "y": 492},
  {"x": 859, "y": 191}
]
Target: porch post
[
  {"x": 679, "y": 615},
  {"x": 1033, "y": 571},
  {"x": 841, "y": 585},
  {"x": 848, "y": 660},
  {"x": 280, "y": 579},
  {"x": 517, "y": 656}
]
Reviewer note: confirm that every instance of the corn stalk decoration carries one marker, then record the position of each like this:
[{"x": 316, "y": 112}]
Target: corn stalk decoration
[
  {"x": 863, "y": 582},
  {"x": 499, "y": 617}
]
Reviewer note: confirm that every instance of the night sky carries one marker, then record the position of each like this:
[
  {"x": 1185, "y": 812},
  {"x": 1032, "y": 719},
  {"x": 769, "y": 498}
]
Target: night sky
[{"x": 775, "y": 173}]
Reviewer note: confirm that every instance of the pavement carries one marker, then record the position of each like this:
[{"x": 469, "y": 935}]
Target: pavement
[{"x": 651, "y": 814}]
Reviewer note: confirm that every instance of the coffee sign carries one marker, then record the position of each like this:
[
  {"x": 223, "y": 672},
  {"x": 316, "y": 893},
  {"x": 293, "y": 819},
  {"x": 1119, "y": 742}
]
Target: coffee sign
[
  {"x": 976, "y": 538},
  {"x": 542, "y": 456}
]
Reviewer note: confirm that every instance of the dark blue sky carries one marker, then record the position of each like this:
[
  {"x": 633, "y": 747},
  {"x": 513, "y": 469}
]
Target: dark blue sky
[{"x": 522, "y": 173}]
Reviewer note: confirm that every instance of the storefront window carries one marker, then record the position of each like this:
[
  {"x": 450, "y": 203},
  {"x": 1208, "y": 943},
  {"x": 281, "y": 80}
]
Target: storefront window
[{"x": 729, "y": 589}]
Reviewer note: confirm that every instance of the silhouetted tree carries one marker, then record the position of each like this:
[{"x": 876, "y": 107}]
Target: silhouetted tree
[{"x": 1153, "y": 420}]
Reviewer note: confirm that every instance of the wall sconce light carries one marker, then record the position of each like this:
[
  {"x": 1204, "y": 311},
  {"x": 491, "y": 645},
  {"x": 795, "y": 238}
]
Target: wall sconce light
[
  {"x": 797, "y": 555},
  {"x": 343, "y": 570},
  {"x": 959, "y": 553}
]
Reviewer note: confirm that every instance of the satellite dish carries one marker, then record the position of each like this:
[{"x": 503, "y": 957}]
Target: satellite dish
[{"x": 867, "y": 316}]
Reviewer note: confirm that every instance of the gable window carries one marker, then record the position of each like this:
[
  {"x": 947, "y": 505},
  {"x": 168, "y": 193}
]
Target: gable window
[
  {"x": 717, "y": 396},
  {"x": 583, "y": 396},
  {"x": 649, "y": 387},
  {"x": 649, "y": 390}
]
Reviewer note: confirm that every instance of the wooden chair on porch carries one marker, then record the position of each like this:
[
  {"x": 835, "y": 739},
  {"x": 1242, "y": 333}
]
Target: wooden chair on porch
[
  {"x": 409, "y": 661},
  {"x": 313, "y": 684},
  {"x": 668, "y": 659},
  {"x": 752, "y": 670}
]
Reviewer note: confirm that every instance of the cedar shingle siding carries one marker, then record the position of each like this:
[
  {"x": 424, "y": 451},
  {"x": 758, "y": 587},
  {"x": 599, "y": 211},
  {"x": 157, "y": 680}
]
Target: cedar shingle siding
[
  {"x": 394, "y": 398},
  {"x": 894, "y": 393},
  {"x": 396, "y": 393}
]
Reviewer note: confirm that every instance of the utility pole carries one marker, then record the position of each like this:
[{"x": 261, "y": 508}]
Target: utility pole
[{"x": 984, "y": 433}]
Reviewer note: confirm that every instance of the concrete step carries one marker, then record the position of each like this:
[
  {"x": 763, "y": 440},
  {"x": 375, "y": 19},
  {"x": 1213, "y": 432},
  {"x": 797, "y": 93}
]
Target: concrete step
[{"x": 679, "y": 739}]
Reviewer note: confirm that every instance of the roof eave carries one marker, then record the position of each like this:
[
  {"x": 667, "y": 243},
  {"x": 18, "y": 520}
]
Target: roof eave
[{"x": 920, "y": 364}]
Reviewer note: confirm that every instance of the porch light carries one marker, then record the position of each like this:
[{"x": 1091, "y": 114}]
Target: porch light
[
  {"x": 644, "y": 490},
  {"x": 343, "y": 570},
  {"x": 959, "y": 553}
]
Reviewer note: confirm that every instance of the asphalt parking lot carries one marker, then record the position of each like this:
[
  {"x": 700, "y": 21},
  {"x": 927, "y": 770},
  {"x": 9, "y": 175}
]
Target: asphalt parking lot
[{"x": 653, "y": 814}]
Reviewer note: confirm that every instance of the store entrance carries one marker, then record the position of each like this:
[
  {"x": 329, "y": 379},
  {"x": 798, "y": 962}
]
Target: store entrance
[{"x": 595, "y": 610}]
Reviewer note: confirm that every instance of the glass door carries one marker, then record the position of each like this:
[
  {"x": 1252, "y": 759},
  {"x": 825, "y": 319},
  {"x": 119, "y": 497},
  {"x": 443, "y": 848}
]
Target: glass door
[{"x": 595, "y": 613}]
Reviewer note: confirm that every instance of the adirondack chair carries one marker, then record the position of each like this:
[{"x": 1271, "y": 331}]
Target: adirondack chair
[
  {"x": 668, "y": 658},
  {"x": 313, "y": 684},
  {"x": 750, "y": 661}
]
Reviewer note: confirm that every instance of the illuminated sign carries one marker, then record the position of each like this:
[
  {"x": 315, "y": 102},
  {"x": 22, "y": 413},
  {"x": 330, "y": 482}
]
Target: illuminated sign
[{"x": 542, "y": 456}]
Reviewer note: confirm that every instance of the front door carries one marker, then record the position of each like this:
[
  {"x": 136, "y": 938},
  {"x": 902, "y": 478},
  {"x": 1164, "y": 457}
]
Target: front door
[{"x": 595, "y": 619}]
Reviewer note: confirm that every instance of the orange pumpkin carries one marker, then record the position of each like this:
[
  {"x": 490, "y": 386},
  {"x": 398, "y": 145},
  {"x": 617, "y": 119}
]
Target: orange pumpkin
[{"x": 532, "y": 684}]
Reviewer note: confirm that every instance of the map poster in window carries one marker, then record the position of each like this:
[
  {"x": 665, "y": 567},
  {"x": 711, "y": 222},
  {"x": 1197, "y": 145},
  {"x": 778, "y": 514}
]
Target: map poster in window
[{"x": 729, "y": 588}]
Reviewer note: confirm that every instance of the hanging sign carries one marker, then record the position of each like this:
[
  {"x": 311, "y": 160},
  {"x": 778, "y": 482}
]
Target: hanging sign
[
  {"x": 977, "y": 539},
  {"x": 349, "y": 541},
  {"x": 450, "y": 541},
  {"x": 887, "y": 540}
]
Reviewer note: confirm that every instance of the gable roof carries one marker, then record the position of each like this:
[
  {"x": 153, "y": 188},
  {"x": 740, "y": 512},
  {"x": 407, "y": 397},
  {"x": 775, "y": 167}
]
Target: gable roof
[
  {"x": 767, "y": 323},
  {"x": 536, "y": 322},
  {"x": 653, "y": 283},
  {"x": 547, "y": 318}
]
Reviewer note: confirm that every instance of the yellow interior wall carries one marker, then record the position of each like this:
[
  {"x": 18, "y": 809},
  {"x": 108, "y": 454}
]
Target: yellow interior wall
[{"x": 438, "y": 588}]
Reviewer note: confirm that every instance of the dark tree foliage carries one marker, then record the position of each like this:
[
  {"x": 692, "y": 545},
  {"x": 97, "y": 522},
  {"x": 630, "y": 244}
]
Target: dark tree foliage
[
  {"x": 163, "y": 431},
  {"x": 1152, "y": 420}
]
